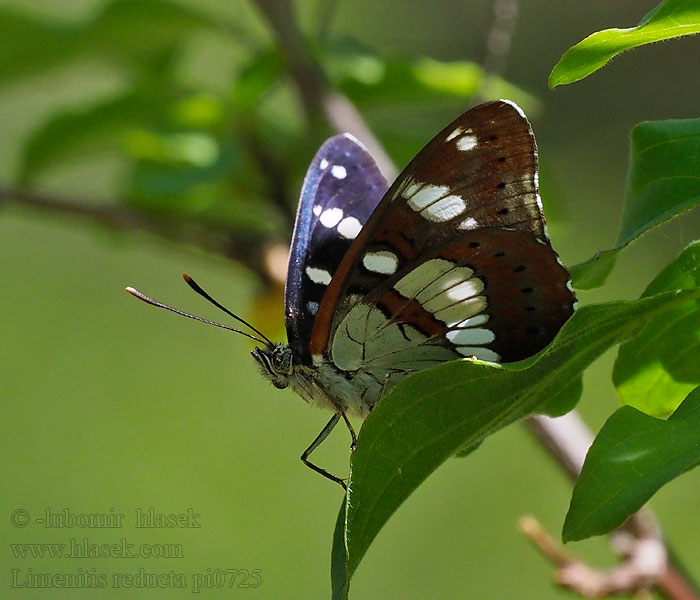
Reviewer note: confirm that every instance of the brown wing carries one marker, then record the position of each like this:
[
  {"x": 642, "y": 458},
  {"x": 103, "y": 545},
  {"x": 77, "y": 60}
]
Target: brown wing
[{"x": 474, "y": 181}]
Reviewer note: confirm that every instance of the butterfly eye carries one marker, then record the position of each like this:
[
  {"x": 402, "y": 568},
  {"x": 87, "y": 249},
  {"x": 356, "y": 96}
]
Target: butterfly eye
[{"x": 282, "y": 360}]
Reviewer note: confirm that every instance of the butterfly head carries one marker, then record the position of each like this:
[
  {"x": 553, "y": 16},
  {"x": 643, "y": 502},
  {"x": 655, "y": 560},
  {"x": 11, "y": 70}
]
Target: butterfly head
[{"x": 276, "y": 363}]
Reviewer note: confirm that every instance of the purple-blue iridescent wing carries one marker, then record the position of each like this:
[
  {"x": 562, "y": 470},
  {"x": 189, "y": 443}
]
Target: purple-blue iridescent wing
[{"x": 342, "y": 187}]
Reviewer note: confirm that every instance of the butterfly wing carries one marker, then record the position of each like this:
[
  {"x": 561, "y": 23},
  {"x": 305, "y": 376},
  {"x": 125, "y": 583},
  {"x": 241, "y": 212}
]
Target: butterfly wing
[
  {"x": 454, "y": 261},
  {"x": 343, "y": 185}
]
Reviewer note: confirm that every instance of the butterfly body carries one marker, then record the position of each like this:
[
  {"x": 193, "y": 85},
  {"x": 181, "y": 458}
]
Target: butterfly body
[{"x": 451, "y": 261}]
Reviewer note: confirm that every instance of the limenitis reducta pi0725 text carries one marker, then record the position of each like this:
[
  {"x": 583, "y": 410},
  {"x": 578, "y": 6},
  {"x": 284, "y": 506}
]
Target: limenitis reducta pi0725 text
[{"x": 450, "y": 261}]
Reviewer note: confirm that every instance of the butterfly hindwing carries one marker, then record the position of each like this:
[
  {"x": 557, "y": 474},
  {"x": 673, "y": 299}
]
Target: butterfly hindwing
[
  {"x": 342, "y": 188},
  {"x": 454, "y": 261},
  {"x": 496, "y": 294}
]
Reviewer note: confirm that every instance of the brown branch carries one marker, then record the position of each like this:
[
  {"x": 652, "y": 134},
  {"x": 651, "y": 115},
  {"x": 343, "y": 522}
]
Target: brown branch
[
  {"x": 317, "y": 97},
  {"x": 645, "y": 564},
  {"x": 240, "y": 246},
  {"x": 344, "y": 116},
  {"x": 567, "y": 438}
]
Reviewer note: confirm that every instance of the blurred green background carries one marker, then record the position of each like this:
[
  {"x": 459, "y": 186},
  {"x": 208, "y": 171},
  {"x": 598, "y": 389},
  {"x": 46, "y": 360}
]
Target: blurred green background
[{"x": 109, "y": 404}]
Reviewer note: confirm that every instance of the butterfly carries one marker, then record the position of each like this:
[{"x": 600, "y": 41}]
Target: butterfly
[{"x": 450, "y": 261}]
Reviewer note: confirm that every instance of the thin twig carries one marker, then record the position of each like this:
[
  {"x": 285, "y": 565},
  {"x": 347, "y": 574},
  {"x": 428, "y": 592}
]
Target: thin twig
[
  {"x": 240, "y": 246},
  {"x": 498, "y": 43},
  {"x": 640, "y": 571},
  {"x": 646, "y": 562},
  {"x": 344, "y": 116},
  {"x": 499, "y": 39},
  {"x": 567, "y": 438},
  {"x": 315, "y": 93}
]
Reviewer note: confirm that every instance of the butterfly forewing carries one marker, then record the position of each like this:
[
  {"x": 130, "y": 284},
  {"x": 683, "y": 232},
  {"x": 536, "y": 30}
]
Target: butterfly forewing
[
  {"x": 342, "y": 187},
  {"x": 481, "y": 170},
  {"x": 455, "y": 260}
]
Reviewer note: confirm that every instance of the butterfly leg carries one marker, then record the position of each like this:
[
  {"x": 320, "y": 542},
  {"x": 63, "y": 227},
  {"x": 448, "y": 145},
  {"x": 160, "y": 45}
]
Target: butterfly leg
[
  {"x": 353, "y": 445},
  {"x": 317, "y": 442},
  {"x": 387, "y": 385}
]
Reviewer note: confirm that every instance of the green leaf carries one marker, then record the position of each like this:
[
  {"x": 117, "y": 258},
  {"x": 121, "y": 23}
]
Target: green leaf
[
  {"x": 340, "y": 583},
  {"x": 431, "y": 415},
  {"x": 200, "y": 110},
  {"x": 25, "y": 41},
  {"x": 90, "y": 130},
  {"x": 256, "y": 79},
  {"x": 593, "y": 272},
  {"x": 370, "y": 80},
  {"x": 564, "y": 399},
  {"x": 139, "y": 34},
  {"x": 631, "y": 458},
  {"x": 658, "y": 368},
  {"x": 191, "y": 177},
  {"x": 671, "y": 19},
  {"x": 663, "y": 181},
  {"x": 664, "y": 177}
]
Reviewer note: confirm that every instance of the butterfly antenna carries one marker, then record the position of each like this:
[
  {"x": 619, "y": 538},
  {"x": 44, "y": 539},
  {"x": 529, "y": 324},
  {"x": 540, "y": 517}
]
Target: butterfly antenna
[
  {"x": 151, "y": 301},
  {"x": 195, "y": 286}
]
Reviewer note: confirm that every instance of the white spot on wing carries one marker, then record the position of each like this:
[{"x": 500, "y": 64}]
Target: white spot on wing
[
  {"x": 323, "y": 164},
  {"x": 471, "y": 336},
  {"x": 444, "y": 209},
  {"x": 415, "y": 281},
  {"x": 432, "y": 201},
  {"x": 455, "y": 133},
  {"x": 331, "y": 217},
  {"x": 467, "y": 142},
  {"x": 384, "y": 262},
  {"x": 312, "y": 307},
  {"x": 412, "y": 189},
  {"x": 318, "y": 275},
  {"x": 462, "y": 310},
  {"x": 317, "y": 209},
  {"x": 447, "y": 281},
  {"x": 421, "y": 195},
  {"x": 469, "y": 223},
  {"x": 449, "y": 292},
  {"x": 465, "y": 290},
  {"x": 453, "y": 287},
  {"x": 339, "y": 171},
  {"x": 349, "y": 227}
]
